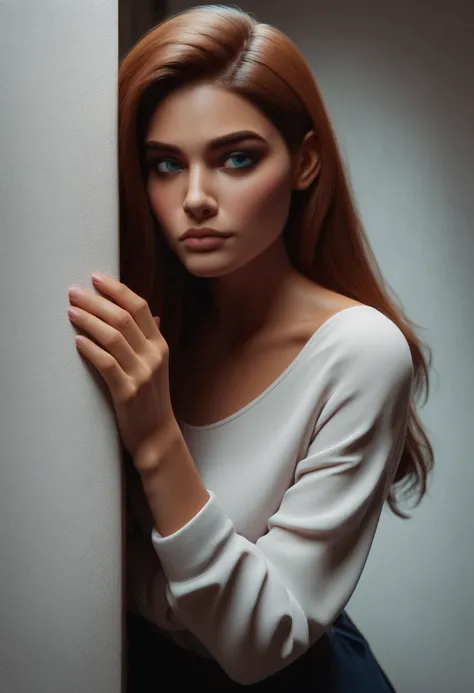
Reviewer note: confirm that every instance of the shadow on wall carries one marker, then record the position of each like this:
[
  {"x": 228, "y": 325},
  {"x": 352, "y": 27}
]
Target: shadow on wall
[{"x": 135, "y": 19}]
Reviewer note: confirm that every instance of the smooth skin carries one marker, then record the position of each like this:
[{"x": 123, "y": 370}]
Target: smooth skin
[
  {"x": 132, "y": 356},
  {"x": 242, "y": 187}
]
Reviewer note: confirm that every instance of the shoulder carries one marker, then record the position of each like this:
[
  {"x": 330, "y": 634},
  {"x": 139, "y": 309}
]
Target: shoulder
[
  {"x": 364, "y": 340},
  {"x": 353, "y": 333},
  {"x": 335, "y": 314}
]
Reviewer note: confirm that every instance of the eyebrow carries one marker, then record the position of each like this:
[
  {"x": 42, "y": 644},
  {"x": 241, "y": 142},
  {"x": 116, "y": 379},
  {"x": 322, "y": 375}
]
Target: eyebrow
[{"x": 214, "y": 144}]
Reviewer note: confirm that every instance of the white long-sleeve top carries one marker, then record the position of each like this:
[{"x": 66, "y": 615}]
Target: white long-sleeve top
[{"x": 297, "y": 482}]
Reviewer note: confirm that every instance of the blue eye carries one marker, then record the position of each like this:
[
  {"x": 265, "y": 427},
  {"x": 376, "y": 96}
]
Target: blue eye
[
  {"x": 166, "y": 162},
  {"x": 241, "y": 164},
  {"x": 238, "y": 160}
]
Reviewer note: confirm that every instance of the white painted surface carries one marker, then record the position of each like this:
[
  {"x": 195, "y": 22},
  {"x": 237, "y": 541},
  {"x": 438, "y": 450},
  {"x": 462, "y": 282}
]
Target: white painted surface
[{"x": 60, "y": 501}]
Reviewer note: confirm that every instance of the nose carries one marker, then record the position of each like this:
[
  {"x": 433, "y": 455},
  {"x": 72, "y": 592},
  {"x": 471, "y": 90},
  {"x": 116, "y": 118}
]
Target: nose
[{"x": 199, "y": 203}]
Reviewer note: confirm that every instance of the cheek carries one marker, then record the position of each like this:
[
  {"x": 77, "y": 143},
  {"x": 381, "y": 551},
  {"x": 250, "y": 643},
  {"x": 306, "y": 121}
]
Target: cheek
[
  {"x": 162, "y": 203},
  {"x": 264, "y": 198}
]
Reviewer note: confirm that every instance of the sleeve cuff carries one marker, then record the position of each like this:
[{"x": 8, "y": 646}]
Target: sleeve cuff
[{"x": 190, "y": 551}]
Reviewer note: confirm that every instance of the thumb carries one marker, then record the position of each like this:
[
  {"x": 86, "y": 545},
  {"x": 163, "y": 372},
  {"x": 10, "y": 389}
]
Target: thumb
[{"x": 157, "y": 320}]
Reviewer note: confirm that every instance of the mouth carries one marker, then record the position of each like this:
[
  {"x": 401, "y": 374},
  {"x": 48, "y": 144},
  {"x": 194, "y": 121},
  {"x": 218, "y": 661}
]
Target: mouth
[
  {"x": 210, "y": 242},
  {"x": 204, "y": 233}
]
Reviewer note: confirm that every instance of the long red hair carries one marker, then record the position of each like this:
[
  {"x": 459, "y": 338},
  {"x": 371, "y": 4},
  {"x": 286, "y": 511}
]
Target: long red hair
[{"x": 324, "y": 236}]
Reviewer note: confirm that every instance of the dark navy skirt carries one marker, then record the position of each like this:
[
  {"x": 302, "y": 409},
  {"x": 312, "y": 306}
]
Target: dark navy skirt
[{"x": 340, "y": 662}]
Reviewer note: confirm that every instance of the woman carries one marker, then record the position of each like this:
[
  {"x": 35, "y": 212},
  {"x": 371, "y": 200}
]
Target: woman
[{"x": 293, "y": 373}]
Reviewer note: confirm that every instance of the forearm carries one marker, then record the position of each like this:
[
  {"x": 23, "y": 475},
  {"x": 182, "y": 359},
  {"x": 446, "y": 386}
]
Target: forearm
[
  {"x": 139, "y": 517},
  {"x": 141, "y": 563},
  {"x": 171, "y": 483}
]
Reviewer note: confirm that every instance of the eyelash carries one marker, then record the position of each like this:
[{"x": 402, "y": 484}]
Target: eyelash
[{"x": 254, "y": 159}]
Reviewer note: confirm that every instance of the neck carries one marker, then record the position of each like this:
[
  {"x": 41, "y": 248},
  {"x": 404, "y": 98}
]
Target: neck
[{"x": 254, "y": 297}]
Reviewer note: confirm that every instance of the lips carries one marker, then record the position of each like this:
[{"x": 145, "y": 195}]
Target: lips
[{"x": 204, "y": 233}]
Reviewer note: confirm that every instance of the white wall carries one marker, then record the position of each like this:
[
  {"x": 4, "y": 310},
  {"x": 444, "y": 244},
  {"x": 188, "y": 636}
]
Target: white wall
[
  {"x": 397, "y": 78},
  {"x": 60, "y": 496}
]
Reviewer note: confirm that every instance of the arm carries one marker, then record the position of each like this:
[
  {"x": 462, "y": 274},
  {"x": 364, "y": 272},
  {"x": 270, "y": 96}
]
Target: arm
[
  {"x": 145, "y": 580},
  {"x": 139, "y": 517},
  {"x": 258, "y": 607},
  {"x": 146, "y": 584}
]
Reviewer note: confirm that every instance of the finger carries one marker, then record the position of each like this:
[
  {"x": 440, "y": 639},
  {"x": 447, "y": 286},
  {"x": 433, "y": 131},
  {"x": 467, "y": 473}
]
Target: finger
[
  {"x": 112, "y": 315},
  {"x": 135, "y": 305},
  {"x": 105, "y": 363},
  {"x": 113, "y": 341}
]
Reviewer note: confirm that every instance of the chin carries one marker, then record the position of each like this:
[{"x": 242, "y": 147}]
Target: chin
[
  {"x": 208, "y": 272},
  {"x": 209, "y": 265}
]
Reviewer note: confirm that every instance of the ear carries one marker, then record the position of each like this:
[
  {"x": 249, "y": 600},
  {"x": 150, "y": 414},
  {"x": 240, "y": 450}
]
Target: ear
[{"x": 307, "y": 163}]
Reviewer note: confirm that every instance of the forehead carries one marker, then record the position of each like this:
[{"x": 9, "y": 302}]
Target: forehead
[{"x": 204, "y": 111}]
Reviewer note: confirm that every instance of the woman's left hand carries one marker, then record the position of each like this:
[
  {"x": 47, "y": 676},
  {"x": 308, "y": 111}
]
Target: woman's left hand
[{"x": 133, "y": 361}]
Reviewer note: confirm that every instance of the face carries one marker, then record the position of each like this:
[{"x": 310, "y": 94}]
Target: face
[{"x": 202, "y": 173}]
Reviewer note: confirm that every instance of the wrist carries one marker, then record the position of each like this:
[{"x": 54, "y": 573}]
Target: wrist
[
  {"x": 151, "y": 454},
  {"x": 172, "y": 484}
]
